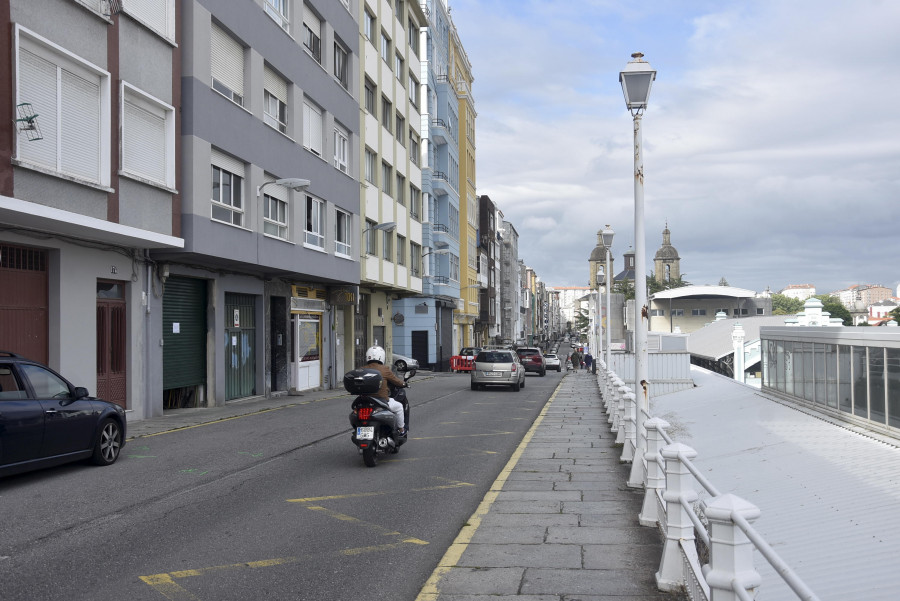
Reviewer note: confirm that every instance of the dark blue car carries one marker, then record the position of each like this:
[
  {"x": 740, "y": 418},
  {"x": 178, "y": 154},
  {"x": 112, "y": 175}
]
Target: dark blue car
[{"x": 46, "y": 421}]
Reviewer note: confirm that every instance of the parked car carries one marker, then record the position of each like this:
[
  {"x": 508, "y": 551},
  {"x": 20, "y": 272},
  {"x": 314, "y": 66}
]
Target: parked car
[
  {"x": 533, "y": 359},
  {"x": 552, "y": 361},
  {"x": 499, "y": 367},
  {"x": 46, "y": 421},
  {"x": 469, "y": 352},
  {"x": 402, "y": 363}
]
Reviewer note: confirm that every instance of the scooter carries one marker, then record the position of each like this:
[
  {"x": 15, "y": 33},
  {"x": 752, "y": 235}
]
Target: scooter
[{"x": 374, "y": 431}]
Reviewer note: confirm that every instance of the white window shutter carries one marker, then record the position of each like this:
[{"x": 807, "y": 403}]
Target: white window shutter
[
  {"x": 154, "y": 13},
  {"x": 275, "y": 191},
  {"x": 80, "y": 126},
  {"x": 227, "y": 60},
  {"x": 38, "y": 85},
  {"x": 144, "y": 149},
  {"x": 275, "y": 84},
  {"x": 312, "y": 128},
  {"x": 228, "y": 163}
]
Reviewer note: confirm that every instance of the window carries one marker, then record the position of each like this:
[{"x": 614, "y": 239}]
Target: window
[
  {"x": 386, "y": 48},
  {"x": 760, "y": 311},
  {"x": 677, "y": 312},
  {"x": 657, "y": 313},
  {"x": 454, "y": 268},
  {"x": 401, "y": 250},
  {"x": 341, "y": 69},
  {"x": 72, "y": 98},
  {"x": 412, "y": 32},
  {"x": 398, "y": 68},
  {"x": 278, "y": 10},
  {"x": 312, "y": 128},
  {"x": 413, "y": 90},
  {"x": 158, "y": 15},
  {"x": 415, "y": 203},
  {"x": 227, "y": 65},
  {"x": 370, "y": 96},
  {"x": 370, "y": 237},
  {"x": 342, "y": 223},
  {"x": 738, "y": 312},
  {"x": 274, "y": 100},
  {"x": 386, "y": 177},
  {"x": 341, "y": 149},
  {"x": 227, "y": 189},
  {"x": 398, "y": 8},
  {"x": 454, "y": 222},
  {"x": 148, "y": 137},
  {"x": 698, "y": 312},
  {"x": 400, "y": 129},
  {"x": 413, "y": 146},
  {"x": 387, "y": 113},
  {"x": 315, "y": 222},
  {"x": 369, "y": 22},
  {"x": 387, "y": 247},
  {"x": 415, "y": 260},
  {"x": 370, "y": 167},
  {"x": 312, "y": 34},
  {"x": 400, "y": 190},
  {"x": 275, "y": 211}
]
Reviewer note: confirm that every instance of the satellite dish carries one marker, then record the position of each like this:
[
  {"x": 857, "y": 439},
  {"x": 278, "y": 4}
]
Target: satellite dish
[{"x": 398, "y": 318}]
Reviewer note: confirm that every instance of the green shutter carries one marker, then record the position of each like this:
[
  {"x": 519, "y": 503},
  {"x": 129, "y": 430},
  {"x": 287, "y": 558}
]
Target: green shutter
[{"x": 184, "y": 351}]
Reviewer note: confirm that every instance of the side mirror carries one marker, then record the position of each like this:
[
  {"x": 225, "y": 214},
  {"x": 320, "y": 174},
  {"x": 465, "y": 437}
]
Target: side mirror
[
  {"x": 409, "y": 374},
  {"x": 81, "y": 393}
]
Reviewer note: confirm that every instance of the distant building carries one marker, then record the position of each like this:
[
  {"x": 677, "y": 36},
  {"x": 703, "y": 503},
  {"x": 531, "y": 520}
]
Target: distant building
[
  {"x": 857, "y": 298},
  {"x": 598, "y": 261},
  {"x": 813, "y": 315},
  {"x": 666, "y": 263},
  {"x": 689, "y": 308},
  {"x": 799, "y": 291}
]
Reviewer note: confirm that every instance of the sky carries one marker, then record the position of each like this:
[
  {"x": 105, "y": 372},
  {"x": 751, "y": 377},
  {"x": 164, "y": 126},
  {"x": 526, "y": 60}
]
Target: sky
[{"x": 771, "y": 142}]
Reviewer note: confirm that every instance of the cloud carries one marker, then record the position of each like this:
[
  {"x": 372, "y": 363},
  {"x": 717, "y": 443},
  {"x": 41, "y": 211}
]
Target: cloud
[{"x": 771, "y": 142}]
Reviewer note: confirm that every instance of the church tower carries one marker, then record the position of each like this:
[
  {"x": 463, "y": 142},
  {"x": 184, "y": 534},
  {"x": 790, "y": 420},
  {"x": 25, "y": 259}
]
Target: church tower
[
  {"x": 666, "y": 263},
  {"x": 598, "y": 259}
]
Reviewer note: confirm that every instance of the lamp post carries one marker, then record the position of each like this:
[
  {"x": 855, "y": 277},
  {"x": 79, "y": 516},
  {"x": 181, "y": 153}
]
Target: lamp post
[
  {"x": 636, "y": 80},
  {"x": 294, "y": 183},
  {"x": 607, "y": 236},
  {"x": 598, "y": 321}
]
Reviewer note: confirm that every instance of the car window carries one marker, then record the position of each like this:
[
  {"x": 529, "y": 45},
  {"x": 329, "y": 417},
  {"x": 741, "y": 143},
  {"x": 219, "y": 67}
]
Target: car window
[
  {"x": 46, "y": 384},
  {"x": 494, "y": 357},
  {"x": 550, "y": 356},
  {"x": 9, "y": 384}
]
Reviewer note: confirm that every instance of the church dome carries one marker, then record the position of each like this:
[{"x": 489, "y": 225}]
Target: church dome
[{"x": 666, "y": 252}]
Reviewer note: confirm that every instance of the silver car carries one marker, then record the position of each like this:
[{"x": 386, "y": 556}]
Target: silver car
[
  {"x": 403, "y": 363},
  {"x": 497, "y": 367}
]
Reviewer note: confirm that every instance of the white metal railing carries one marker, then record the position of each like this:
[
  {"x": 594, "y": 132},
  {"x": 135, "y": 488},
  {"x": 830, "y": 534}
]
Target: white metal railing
[{"x": 723, "y": 570}]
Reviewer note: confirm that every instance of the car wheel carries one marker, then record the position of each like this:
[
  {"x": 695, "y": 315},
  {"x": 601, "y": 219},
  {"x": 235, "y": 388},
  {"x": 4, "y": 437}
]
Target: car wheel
[
  {"x": 516, "y": 386},
  {"x": 543, "y": 372},
  {"x": 108, "y": 443},
  {"x": 474, "y": 386},
  {"x": 400, "y": 365},
  {"x": 523, "y": 383}
]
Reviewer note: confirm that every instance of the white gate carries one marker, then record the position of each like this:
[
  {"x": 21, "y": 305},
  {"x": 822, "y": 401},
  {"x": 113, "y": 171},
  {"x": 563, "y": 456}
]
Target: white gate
[{"x": 306, "y": 351}]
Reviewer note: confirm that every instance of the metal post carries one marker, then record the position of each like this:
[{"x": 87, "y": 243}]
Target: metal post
[
  {"x": 608, "y": 314},
  {"x": 642, "y": 312}
]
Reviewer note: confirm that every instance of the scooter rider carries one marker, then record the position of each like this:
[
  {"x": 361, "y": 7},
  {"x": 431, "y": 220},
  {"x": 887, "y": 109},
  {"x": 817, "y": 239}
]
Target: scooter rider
[{"x": 375, "y": 360}]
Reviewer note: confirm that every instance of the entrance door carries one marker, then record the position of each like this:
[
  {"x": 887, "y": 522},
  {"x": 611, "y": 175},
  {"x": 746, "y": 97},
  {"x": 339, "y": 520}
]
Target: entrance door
[
  {"x": 240, "y": 347},
  {"x": 111, "y": 336},
  {"x": 420, "y": 346},
  {"x": 360, "y": 328},
  {"x": 306, "y": 355}
]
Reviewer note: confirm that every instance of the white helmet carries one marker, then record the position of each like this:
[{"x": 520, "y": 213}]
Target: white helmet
[{"x": 375, "y": 353}]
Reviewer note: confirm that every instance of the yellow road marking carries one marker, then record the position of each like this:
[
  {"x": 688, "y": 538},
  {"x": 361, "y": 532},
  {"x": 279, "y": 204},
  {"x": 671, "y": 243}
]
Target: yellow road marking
[
  {"x": 376, "y": 494},
  {"x": 430, "y": 590}
]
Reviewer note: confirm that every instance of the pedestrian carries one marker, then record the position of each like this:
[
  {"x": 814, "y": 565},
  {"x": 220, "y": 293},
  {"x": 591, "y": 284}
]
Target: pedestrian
[
  {"x": 588, "y": 360},
  {"x": 576, "y": 360}
]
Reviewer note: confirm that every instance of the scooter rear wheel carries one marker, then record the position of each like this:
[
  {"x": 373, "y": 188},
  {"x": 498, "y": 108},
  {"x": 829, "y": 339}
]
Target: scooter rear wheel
[{"x": 370, "y": 458}]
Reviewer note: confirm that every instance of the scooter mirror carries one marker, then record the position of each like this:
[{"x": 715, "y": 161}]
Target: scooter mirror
[{"x": 409, "y": 374}]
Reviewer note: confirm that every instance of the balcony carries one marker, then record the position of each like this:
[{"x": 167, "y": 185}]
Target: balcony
[
  {"x": 440, "y": 183},
  {"x": 440, "y": 132},
  {"x": 440, "y": 235}
]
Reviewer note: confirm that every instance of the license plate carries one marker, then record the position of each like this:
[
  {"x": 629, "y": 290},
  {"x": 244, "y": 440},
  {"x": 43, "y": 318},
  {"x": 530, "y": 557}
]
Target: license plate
[
  {"x": 492, "y": 374},
  {"x": 365, "y": 432}
]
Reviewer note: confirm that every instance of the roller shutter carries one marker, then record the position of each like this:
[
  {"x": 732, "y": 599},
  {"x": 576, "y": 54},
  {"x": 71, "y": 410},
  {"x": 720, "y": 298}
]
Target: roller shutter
[{"x": 184, "y": 333}]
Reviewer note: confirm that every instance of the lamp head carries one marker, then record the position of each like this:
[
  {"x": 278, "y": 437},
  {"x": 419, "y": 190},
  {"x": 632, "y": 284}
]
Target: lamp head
[
  {"x": 294, "y": 183},
  {"x": 607, "y": 236},
  {"x": 636, "y": 79}
]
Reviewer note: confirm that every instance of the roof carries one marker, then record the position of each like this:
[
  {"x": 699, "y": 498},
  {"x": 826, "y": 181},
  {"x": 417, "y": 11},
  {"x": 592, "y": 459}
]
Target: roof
[
  {"x": 713, "y": 341},
  {"x": 697, "y": 291},
  {"x": 819, "y": 485}
]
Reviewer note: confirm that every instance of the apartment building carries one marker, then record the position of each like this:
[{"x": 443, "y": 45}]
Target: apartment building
[
  {"x": 510, "y": 315},
  {"x": 425, "y": 326},
  {"x": 89, "y": 186},
  {"x": 261, "y": 299}
]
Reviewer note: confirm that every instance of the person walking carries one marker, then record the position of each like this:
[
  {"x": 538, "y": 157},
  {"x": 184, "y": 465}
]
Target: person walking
[
  {"x": 576, "y": 360},
  {"x": 588, "y": 360}
]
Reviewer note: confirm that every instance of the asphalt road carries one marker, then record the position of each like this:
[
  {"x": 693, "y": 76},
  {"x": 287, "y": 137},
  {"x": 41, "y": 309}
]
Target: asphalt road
[{"x": 274, "y": 505}]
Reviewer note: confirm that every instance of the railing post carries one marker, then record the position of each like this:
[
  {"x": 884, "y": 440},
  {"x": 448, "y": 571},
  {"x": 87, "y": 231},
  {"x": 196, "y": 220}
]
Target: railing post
[
  {"x": 731, "y": 552},
  {"x": 656, "y": 475},
  {"x": 629, "y": 446},
  {"x": 679, "y": 527},
  {"x": 612, "y": 404},
  {"x": 620, "y": 413}
]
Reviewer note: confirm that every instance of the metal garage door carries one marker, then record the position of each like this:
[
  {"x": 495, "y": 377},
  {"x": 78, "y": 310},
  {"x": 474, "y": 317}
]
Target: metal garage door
[
  {"x": 240, "y": 345},
  {"x": 184, "y": 333},
  {"x": 23, "y": 301}
]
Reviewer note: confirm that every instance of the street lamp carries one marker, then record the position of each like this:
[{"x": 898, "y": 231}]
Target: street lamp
[
  {"x": 294, "y": 183},
  {"x": 598, "y": 328},
  {"x": 636, "y": 80},
  {"x": 607, "y": 236}
]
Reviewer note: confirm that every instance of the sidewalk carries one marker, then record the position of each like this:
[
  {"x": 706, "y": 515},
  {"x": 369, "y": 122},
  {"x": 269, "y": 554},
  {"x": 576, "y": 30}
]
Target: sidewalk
[{"x": 559, "y": 523}]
